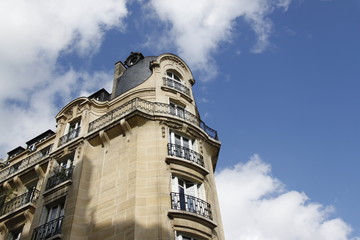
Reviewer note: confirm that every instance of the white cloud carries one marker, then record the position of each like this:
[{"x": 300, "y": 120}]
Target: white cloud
[
  {"x": 197, "y": 28},
  {"x": 256, "y": 206},
  {"x": 34, "y": 35}
]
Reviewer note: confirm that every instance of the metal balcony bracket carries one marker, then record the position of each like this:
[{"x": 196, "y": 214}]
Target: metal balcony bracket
[
  {"x": 40, "y": 173},
  {"x": 126, "y": 127}
]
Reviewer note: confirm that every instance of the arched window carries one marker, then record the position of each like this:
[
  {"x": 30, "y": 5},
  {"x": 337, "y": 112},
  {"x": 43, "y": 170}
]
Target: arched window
[{"x": 173, "y": 76}]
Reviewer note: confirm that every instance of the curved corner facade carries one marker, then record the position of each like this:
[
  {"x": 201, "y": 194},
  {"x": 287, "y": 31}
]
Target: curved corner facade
[{"x": 134, "y": 164}]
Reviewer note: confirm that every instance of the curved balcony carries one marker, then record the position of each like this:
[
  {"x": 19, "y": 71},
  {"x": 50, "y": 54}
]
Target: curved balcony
[
  {"x": 171, "y": 83},
  {"x": 69, "y": 136},
  {"x": 152, "y": 109},
  {"x": 190, "y": 204},
  {"x": 10, "y": 206},
  {"x": 185, "y": 153}
]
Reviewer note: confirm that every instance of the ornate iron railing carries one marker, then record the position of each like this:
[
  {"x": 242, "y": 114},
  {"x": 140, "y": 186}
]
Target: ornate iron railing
[
  {"x": 30, "y": 196},
  {"x": 171, "y": 83},
  {"x": 150, "y": 108},
  {"x": 191, "y": 204},
  {"x": 61, "y": 175},
  {"x": 48, "y": 229},
  {"x": 26, "y": 162},
  {"x": 185, "y": 153},
  {"x": 69, "y": 136}
]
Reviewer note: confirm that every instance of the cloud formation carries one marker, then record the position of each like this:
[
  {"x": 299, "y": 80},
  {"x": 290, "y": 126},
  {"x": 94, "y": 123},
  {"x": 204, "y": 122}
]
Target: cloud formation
[
  {"x": 34, "y": 36},
  {"x": 256, "y": 206},
  {"x": 197, "y": 28}
]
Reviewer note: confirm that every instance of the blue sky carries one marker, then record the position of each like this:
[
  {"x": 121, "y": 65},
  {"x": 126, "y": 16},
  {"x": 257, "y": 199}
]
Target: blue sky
[{"x": 278, "y": 79}]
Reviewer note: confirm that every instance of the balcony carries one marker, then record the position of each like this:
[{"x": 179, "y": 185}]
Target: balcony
[
  {"x": 10, "y": 206},
  {"x": 62, "y": 175},
  {"x": 150, "y": 109},
  {"x": 48, "y": 230},
  {"x": 25, "y": 163},
  {"x": 185, "y": 153},
  {"x": 171, "y": 83},
  {"x": 190, "y": 204},
  {"x": 69, "y": 136}
]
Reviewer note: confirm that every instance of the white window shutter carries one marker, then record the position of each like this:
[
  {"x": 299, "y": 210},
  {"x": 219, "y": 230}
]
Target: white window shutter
[
  {"x": 201, "y": 190},
  {"x": 67, "y": 126},
  {"x": 191, "y": 189},
  {"x": 174, "y": 184}
]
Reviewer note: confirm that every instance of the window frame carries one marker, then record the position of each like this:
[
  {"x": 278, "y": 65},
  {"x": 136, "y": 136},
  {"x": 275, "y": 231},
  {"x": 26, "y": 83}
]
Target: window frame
[{"x": 18, "y": 230}]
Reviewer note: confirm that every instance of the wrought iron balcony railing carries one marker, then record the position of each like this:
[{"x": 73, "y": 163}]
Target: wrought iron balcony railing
[
  {"x": 69, "y": 136},
  {"x": 152, "y": 109},
  {"x": 26, "y": 162},
  {"x": 61, "y": 175},
  {"x": 29, "y": 197},
  {"x": 48, "y": 229},
  {"x": 171, "y": 83},
  {"x": 191, "y": 204},
  {"x": 185, "y": 153}
]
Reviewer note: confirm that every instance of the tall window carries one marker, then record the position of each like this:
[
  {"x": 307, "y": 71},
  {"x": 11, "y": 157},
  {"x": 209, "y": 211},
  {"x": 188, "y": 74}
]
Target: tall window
[
  {"x": 177, "y": 110},
  {"x": 183, "y": 237},
  {"x": 54, "y": 211},
  {"x": 72, "y": 127},
  {"x": 52, "y": 218},
  {"x": 15, "y": 234},
  {"x": 186, "y": 194},
  {"x": 71, "y": 132},
  {"x": 172, "y": 76},
  {"x": 180, "y": 146}
]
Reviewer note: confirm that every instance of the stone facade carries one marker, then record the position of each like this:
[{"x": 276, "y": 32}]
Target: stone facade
[{"x": 137, "y": 164}]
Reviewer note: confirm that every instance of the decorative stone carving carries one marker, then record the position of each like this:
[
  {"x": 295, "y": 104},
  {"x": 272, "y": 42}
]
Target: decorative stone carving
[
  {"x": 173, "y": 125},
  {"x": 175, "y": 60}
]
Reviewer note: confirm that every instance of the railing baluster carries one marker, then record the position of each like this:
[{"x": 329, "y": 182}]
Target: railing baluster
[
  {"x": 63, "y": 175},
  {"x": 29, "y": 197},
  {"x": 186, "y": 153},
  {"x": 191, "y": 203},
  {"x": 69, "y": 136},
  {"x": 48, "y": 229},
  {"x": 151, "y": 108}
]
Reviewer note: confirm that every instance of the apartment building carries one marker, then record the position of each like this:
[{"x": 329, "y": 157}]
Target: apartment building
[{"x": 136, "y": 163}]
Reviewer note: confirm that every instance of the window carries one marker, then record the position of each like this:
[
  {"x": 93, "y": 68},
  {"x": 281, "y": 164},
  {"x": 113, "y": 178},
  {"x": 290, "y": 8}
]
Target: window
[
  {"x": 61, "y": 173},
  {"x": 15, "y": 234},
  {"x": 52, "y": 218},
  {"x": 185, "y": 194},
  {"x": 71, "y": 132},
  {"x": 180, "y": 146},
  {"x": 183, "y": 237},
  {"x": 54, "y": 211},
  {"x": 172, "y": 76},
  {"x": 72, "y": 128},
  {"x": 177, "y": 110},
  {"x": 173, "y": 81}
]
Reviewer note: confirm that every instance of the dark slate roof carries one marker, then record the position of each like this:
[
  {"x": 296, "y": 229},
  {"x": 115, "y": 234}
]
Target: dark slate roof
[
  {"x": 40, "y": 137},
  {"x": 102, "y": 95},
  {"x": 16, "y": 151},
  {"x": 134, "y": 76}
]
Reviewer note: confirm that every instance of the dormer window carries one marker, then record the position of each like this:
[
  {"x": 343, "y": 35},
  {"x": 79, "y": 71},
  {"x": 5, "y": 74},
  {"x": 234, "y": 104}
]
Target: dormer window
[
  {"x": 173, "y": 76},
  {"x": 173, "y": 81}
]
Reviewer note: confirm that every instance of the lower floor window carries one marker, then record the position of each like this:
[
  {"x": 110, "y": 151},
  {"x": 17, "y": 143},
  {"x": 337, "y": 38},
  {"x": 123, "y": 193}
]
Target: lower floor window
[
  {"x": 184, "y": 237},
  {"x": 15, "y": 234}
]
